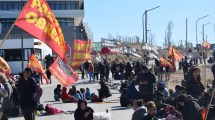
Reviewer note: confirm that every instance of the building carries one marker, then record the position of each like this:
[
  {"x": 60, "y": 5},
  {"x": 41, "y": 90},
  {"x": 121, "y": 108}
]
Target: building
[{"x": 69, "y": 13}]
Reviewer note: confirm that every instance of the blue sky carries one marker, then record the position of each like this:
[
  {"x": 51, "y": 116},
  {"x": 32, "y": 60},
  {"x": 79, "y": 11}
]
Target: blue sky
[{"x": 124, "y": 17}]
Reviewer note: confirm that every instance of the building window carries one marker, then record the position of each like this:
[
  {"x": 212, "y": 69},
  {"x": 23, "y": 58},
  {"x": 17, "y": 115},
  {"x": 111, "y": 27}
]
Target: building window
[
  {"x": 7, "y": 22},
  {"x": 54, "y": 5},
  {"x": 66, "y": 22}
]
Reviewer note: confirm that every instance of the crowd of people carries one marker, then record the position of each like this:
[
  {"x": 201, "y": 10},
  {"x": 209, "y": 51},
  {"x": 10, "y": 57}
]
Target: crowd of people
[{"x": 140, "y": 88}]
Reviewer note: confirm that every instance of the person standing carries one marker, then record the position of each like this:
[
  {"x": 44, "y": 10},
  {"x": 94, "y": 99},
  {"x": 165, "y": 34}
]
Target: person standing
[
  {"x": 26, "y": 88},
  {"x": 49, "y": 74},
  {"x": 86, "y": 67},
  {"x": 7, "y": 105},
  {"x": 82, "y": 70},
  {"x": 146, "y": 80},
  {"x": 90, "y": 71},
  {"x": 96, "y": 71}
]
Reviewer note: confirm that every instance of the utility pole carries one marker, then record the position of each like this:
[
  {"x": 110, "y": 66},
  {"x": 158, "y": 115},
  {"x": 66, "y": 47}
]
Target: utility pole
[
  {"x": 186, "y": 34},
  {"x": 146, "y": 25}
]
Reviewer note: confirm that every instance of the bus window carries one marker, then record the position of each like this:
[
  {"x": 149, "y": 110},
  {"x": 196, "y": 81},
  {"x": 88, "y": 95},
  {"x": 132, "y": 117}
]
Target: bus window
[
  {"x": 13, "y": 54},
  {"x": 38, "y": 54}
]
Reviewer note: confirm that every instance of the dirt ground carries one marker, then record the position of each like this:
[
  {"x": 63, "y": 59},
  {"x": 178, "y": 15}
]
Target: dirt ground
[{"x": 206, "y": 75}]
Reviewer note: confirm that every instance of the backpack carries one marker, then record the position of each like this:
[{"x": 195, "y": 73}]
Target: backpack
[{"x": 38, "y": 93}]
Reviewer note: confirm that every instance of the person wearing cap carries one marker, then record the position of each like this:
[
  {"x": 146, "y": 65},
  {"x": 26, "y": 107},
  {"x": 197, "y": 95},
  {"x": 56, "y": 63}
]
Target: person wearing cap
[
  {"x": 189, "y": 107},
  {"x": 146, "y": 80}
]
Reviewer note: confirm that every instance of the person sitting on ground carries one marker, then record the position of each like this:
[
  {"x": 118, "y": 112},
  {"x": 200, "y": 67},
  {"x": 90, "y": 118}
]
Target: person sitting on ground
[
  {"x": 139, "y": 110},
  {"x": 57, "y": 92},
  {"x": 123, "y": 86},
  {"x": 161, "y": 88},
  {"x": 132, "y": 92},
  {"x": 151, "y": 110},
  {"x": 88, "y": 94},
  {"x": 189, "y": 107},
  {"x": 124, "y": 102},
  {"x": 104, "y": 91},
  {"x": 66, "y": 98},
  {"x": 146, "y": 79},
  {"x": 194, "y": 86},
  {"x": 76, "y": 94},
  {"x": 94, "y": 98},
  {"x": 83, "y": 112},
  {"x": 83, "y": 93},
  {"x": 159, "y": 101}
]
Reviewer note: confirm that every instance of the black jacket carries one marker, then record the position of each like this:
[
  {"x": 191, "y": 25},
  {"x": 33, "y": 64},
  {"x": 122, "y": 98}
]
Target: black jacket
[
  {"x": 26, "y": 89},
  {"x": 146, "y": 89},
  {"x": 149, "y": 117},
  {"x": 191, "y": 110},
  {"x": 79, "y": 113}
]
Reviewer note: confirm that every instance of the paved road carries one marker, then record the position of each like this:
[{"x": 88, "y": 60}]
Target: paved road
[{"x": 117, "y": 112}]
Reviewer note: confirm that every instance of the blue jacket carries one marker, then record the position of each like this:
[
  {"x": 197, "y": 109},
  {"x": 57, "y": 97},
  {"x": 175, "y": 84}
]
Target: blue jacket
[
  {"x": 88, "y": 94},
  {"x": 132, "y": 92}
]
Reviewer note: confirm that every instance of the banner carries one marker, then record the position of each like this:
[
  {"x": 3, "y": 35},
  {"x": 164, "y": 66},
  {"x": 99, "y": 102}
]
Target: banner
[
  {"x": 37, "y": 19},
  {"x": 63, "y": 72},
  {"x": 80, "y": 52},
  {"x": 4, "y": 67},
  {"x": 35, "y": 65}
]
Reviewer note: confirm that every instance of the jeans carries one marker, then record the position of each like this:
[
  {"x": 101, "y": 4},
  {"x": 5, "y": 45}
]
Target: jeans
[
  {"x": 28, "y": 113},
  {"x": 91, "y": 76}
]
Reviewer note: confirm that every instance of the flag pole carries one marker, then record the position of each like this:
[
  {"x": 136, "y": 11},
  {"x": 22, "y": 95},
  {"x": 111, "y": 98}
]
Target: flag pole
[
  {"x": 12, "y": 26},
  {"x": 208, "y": 107}
]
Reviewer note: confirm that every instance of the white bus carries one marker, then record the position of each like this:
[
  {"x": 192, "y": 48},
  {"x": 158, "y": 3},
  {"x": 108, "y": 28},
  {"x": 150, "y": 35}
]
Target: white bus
[{"x": 11, "y": 51}]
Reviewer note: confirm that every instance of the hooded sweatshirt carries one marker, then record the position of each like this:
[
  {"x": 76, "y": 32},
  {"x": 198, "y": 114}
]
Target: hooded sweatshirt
[
  {"x": 88, "y": 94},
  {"x": 79, "y": 113},
  {"x": 66, "y": 96}
]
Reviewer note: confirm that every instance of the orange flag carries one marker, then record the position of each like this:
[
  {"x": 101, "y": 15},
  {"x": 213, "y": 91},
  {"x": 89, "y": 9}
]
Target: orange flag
[
  {"x": 177, "y": 55},
  {"x": 205, "y": 44},
  {"x": 35, "y": 65},
  {"x": 164, "y": 62},
  {"x": 172, "y": 57},
  {"x": 4, "y": 67},
  {"x": 37, "y": 19}
]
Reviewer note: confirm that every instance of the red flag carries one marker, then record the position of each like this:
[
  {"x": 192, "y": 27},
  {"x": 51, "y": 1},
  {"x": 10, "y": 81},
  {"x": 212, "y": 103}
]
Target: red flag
[
  {"x": 63, "y": 72},
  {"x": 35, "y": 65},
  {"x": 4, "y": 67},
  {"x": 164, "y": 62},
  {"x": 37, "y": 19}
]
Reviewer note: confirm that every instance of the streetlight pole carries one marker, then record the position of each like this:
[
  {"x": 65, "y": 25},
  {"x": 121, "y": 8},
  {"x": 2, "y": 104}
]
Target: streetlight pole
[
  {"x": 197, "y": 27},
  {"x": 146, "y": 19},
  {"x": 203, "y": 31},
  {"x": 143, "y": 26}
]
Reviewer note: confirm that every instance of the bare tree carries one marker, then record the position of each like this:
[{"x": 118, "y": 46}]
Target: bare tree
[
  {"x": 110, "y": 36},
  {"x": 168, "y": 33}
]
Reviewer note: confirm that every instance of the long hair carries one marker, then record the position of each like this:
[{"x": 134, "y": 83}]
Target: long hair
[{"x": 193, "y": 69}]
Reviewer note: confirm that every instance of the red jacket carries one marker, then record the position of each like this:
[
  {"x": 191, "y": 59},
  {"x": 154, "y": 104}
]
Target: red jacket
[{"x": 66, "y": 96}]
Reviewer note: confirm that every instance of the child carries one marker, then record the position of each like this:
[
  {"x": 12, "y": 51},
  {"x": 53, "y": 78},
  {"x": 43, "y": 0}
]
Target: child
[
  {"x": 57, "y": 92},
  {"x": 82, "y": 94},
  {"x": 151, "y": 109},
  {"x": 88, "y": 94}
]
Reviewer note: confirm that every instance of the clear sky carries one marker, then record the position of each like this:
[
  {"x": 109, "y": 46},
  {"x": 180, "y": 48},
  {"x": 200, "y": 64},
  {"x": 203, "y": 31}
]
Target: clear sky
[{"x": 124, "y": 17}]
